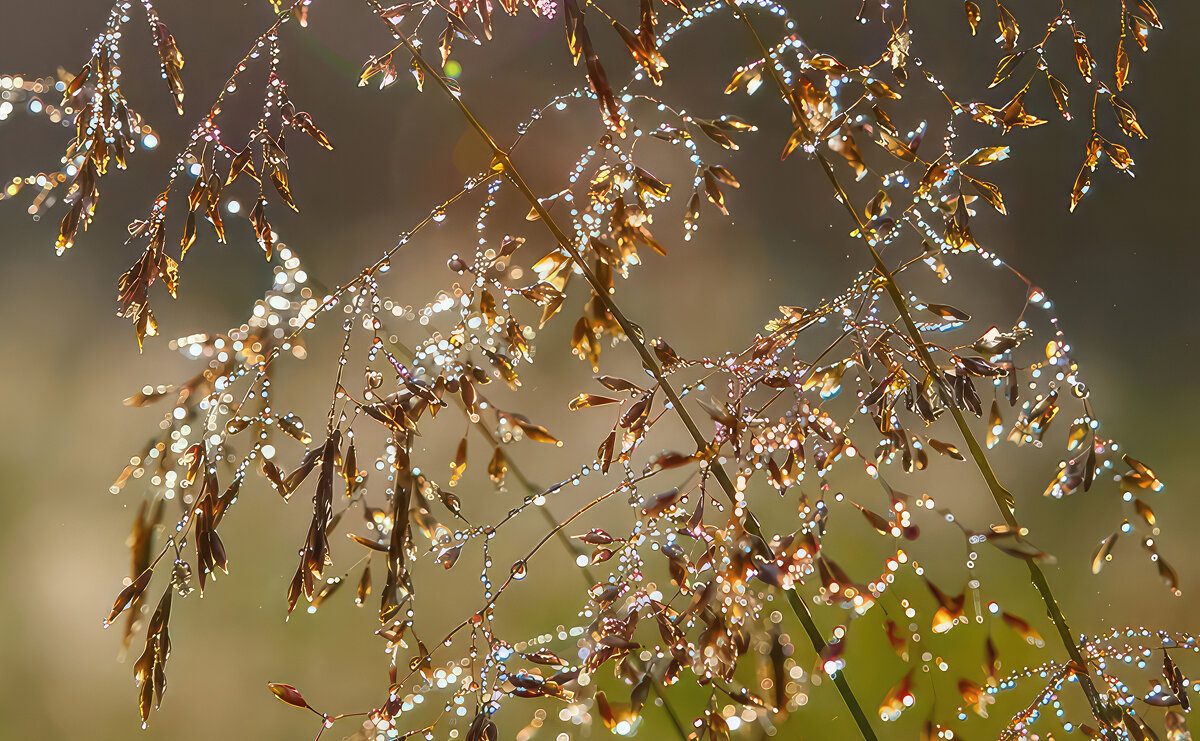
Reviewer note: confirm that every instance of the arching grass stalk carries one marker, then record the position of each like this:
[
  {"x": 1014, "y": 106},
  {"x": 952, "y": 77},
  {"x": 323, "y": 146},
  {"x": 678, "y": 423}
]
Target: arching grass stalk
[
  {"x": 503, "y": 162},
  {"x": 1004, "y": 499}
]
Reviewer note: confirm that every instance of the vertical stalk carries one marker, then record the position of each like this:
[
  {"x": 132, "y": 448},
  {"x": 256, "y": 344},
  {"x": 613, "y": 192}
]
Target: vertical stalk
[
  {"x": 503, "y": 161},
  {"x": 1004, "y": 500}
]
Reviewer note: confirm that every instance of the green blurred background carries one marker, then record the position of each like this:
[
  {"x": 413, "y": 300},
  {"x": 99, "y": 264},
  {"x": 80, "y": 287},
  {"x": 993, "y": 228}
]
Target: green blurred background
[{"x": 1122, "y": 270}]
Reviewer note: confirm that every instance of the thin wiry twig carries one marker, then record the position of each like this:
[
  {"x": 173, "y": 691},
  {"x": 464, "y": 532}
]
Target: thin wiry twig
[
  {"x": 637, "y": 339},
  {"x": 1004, "y": 500}
]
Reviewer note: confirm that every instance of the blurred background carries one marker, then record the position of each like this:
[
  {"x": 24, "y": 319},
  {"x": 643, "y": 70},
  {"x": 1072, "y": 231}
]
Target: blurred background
[{"x": 1121, "y": 270}]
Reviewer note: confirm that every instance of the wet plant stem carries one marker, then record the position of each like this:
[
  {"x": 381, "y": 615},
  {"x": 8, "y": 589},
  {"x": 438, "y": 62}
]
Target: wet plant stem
[
  {"x": 1004, "y": 500},
  {"x": 502, "y": 161}
]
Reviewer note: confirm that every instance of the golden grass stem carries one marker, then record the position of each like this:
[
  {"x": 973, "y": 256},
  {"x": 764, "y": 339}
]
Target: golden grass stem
[
  {"x": 1004, "y": 500},
  {"x": 637, "y": 339}
]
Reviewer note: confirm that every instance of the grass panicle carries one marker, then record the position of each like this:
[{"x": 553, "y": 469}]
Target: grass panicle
[{"x": 822, "y": 421}]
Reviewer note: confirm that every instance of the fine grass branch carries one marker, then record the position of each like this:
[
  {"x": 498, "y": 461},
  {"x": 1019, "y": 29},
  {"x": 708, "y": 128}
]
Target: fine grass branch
[
  {"x": 1003, "y": 499},
  {"x": 502, "y": 161}
]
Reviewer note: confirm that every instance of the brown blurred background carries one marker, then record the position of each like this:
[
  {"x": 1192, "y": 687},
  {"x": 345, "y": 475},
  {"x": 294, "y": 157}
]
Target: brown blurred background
[{"x": 1122, "y": 270}]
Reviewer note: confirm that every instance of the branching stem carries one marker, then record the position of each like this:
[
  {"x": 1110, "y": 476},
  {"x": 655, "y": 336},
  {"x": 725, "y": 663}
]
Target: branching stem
[
  {"x": 1004, "y": 500},
  {"x": 503, "y": 161}
]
